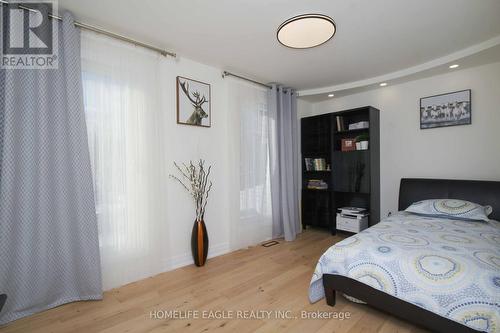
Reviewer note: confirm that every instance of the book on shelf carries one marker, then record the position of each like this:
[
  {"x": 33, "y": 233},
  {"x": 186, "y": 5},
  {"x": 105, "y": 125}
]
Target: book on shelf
[
  {"x": 316, "y": 164},
  {"x": 308, "y": 164},
  {"x": 319, "y": 164},
  {"x": 359, "y": 125},
  {"x": 317, "y": 184},
  {"x": 340, "y": 123}
]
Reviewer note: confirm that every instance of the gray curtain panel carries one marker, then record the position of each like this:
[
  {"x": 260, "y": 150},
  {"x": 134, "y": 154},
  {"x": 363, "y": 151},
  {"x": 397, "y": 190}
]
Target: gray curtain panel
[
  {"x": 284, "y": 162},
  {"x": 49, "y": 250}
]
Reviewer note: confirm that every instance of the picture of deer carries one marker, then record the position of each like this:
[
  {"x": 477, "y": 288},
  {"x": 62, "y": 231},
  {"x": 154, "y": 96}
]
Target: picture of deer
[{"x": 197, "y": 98}]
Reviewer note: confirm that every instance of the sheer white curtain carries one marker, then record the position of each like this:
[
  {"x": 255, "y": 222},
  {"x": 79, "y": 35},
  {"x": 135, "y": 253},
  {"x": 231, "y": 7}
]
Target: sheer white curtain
[
  {"x": 122, "y": 105},
  {"x": 252, "y": 222}
]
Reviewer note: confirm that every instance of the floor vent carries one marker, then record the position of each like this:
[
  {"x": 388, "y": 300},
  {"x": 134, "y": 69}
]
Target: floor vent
[{"x": 270, "y": 243}]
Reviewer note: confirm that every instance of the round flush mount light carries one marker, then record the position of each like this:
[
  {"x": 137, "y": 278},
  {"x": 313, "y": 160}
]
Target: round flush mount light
[{"x": 306, "y": 31}]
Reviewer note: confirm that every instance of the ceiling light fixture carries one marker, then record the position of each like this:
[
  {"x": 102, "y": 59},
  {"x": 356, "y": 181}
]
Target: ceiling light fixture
[
  {"x": 306, "y": 31},
  {"x": 383, "y": 84},
  {"x": 454, "y": 66},
  {"x": 331, "y": 95}
]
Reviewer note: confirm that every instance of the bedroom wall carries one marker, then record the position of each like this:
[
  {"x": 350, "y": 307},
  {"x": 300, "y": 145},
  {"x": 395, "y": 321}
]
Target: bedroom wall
[
  {"x": 186, "y": 143},
  {"x": 460, "y": 152}
]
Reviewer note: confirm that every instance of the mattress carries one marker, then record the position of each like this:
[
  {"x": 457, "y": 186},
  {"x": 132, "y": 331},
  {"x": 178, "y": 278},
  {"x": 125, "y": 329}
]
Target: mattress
[{"x": 449, "y": 267}]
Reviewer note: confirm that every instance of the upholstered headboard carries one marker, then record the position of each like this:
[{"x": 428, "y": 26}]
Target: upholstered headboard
[{"x": 481, "y": 192}]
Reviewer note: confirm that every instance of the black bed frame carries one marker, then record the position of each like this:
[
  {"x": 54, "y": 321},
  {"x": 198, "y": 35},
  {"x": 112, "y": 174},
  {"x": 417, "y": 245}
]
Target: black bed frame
[{"x": 410, "y": 191}]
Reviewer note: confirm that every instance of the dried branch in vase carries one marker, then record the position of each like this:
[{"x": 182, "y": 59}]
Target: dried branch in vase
[{"x": 195, "y": 179}]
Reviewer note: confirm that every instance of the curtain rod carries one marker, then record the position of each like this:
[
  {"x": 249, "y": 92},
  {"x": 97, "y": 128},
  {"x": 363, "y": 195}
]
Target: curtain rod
[
  {"x": 100, "y": 31},
  {"x": 226, "y": 73}
]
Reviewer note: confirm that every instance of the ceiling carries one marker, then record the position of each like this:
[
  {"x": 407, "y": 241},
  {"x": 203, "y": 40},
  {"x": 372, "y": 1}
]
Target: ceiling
[
  {"x": 373, "y": 37},
  {"x": 476, "y": 56}
]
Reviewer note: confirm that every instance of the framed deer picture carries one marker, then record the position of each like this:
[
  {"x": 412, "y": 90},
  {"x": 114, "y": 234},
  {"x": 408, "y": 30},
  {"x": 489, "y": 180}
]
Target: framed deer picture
[{"x": 193, "y": 102}]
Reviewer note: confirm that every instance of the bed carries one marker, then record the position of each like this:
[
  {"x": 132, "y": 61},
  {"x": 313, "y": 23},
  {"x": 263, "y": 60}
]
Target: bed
[{"x": 442, "y": 274}]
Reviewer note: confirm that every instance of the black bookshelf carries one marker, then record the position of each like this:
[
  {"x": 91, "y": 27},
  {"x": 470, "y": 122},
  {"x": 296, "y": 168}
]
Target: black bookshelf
[{"x": 353, "y": 178}]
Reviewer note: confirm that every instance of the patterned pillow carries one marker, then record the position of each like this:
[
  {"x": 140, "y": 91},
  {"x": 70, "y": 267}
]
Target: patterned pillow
[{"x": 451, "y": 208}]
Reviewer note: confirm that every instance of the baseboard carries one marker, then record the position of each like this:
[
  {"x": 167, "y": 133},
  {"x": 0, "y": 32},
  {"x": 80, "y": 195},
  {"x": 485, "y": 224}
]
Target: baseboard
[{"x": 187, "y": 259}]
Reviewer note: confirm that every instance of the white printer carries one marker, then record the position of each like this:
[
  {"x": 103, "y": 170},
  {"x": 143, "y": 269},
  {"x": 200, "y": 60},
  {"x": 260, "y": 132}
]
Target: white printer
[{"x": 352, "y": 219}]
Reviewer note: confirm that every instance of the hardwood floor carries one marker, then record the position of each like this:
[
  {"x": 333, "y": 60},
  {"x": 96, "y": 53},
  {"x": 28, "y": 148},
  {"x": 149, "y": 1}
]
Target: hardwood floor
[{"x": 259, "y": 278}]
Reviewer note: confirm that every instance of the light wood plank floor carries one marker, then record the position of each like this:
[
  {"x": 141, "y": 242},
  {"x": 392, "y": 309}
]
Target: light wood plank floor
[{"x": 274, "y": 278}]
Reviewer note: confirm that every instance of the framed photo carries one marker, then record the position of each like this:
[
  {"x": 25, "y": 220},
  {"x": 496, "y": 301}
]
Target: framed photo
[
  {"x": 348, "y": 144},
  {"x": 449, "y": 109},
  {"x": 193, "y": 102}
]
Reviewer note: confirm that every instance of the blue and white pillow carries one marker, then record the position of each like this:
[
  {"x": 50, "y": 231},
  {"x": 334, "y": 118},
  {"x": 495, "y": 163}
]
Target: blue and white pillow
[{"x": 451, "y": 208}]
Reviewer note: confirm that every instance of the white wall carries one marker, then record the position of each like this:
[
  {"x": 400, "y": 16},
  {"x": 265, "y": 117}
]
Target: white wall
[
  {"x": 304, "y": 108},
  {"x": 460, "y": 152},
  {"x": 186, "y": 143}
]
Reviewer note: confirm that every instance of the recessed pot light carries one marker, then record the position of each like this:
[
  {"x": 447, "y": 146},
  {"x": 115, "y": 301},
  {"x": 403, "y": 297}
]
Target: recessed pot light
[
  {"x": 454, "y": 66},
  {"x": 331, "y": 95},
  {"x": 383, "y": 84},
  {"x": 306, "y": 31}
]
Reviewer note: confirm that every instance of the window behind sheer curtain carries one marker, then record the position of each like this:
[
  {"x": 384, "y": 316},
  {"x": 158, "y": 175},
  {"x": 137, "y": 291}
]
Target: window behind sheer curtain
[
  {"x": 121, "y": 96},
  {"x": 249, "y": 105}
]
